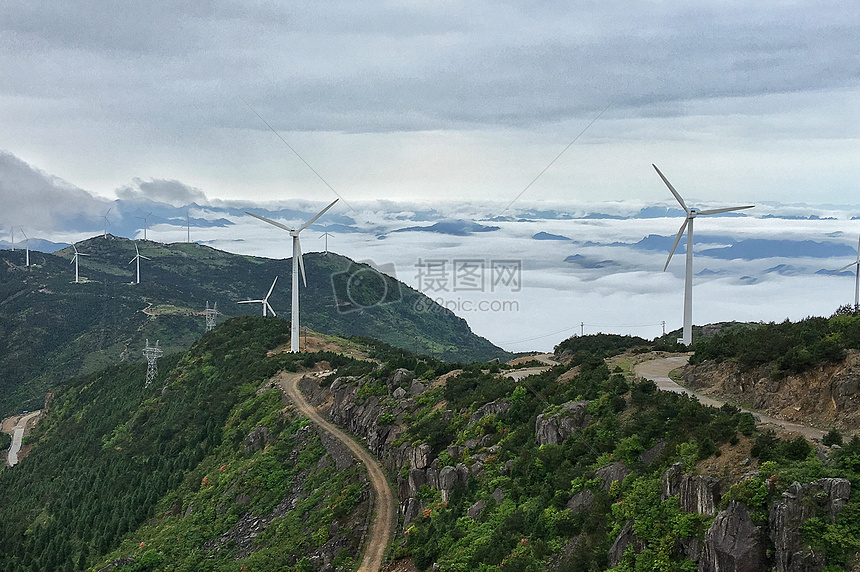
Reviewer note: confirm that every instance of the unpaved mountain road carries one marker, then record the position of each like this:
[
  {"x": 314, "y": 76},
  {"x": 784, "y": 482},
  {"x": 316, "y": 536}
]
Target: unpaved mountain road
[
  {"x": 385, "y": 517},
  {"x": 17, "y": 438},
  {"x": 657, "y": 370}
]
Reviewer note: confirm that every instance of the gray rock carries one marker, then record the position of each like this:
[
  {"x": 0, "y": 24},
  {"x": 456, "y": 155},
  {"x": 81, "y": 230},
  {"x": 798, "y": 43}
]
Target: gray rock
[
  {"x": 799, "y": 504},
  {"x": 410, "y": 509},
  {"x": 698, "y": 494},
  {"x": 256, "y": 439},
  {"x": 243, "y": 499},
  {"x": 448, "y": 478},
  {"x": 400, "y": 377},
  {"x": 476, "y": 469},
  {"x": 733, "y": 543},
  {"x": 417, "y": 388},
  {"x": 625, "y": 538},
  {"x": 498, "y": 495},
  {"x": 610, "y": 473},
  {"x": 399, "y": 393},
  {"x": 648, "y": 456},
  {"x": 417, "y": 479},
  {"x": 492, "y": 408},
  {"x": 554, "y": 429},
  {"x": 454, "y": 451},
  {"x": 471, "y": 444},
  {"x": 580, "y": 502},
  {"x": 475, "y": 510},
  {"x": 419, "y": 457}
]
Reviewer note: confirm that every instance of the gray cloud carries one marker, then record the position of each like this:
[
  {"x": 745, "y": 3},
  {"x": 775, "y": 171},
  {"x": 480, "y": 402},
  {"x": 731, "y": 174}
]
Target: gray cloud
[
  {"x": 173, "y": 193},
  {"x": 36, "y": 200}
]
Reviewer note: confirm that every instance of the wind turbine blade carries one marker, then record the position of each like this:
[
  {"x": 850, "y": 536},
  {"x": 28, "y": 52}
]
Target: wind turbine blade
[
  {"x": 132, "y": 260},
  {"x": 725, "y": 210},
  {"x": 108, "y": 212},
  {"x": 301, "y": 261},
  {"x": 322, "y": 212},
  {"x": 270, "y": 308},
  {"x": 671, "y": 188},
  {"x": 144, "y": 257},
  {"x": 270, "y": 221},
  {"x": 675, "y": 245},
  {"x": 24, "y": 233},
  {"x": 270, "y": 289},
  {"x": 75, "y": 247},
  {"x": 136, "y": 250},
  {"x": 846, "y": 267},
  {"x": 250, "y": 301}
]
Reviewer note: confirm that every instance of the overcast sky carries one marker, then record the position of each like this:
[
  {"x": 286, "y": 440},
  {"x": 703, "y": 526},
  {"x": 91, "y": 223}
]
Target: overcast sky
[{"x": 734, "y": 101}]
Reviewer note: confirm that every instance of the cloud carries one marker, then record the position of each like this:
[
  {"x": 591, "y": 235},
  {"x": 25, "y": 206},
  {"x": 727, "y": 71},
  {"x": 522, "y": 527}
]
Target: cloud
[
  {"x": 34, "y": 199},
  {"x": 174, "y": 193}
]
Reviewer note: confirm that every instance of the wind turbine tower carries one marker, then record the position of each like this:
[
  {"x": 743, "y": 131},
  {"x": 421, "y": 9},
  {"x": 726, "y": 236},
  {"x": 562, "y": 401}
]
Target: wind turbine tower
[
  {"x": 264, "y": 301},
  {"x": 152, "y": 353},
  {"x": 137, "y": 258},
  {"x": 107, "y": 222},
  {"x": 211, "y": 316},
  {"x": 75, "y": 260},
  {"x": 856, "y": 278},
  {"x": 26, "y": 246},
  {"x": 188, "y": 225},
  {"x": 326, "y": 235},
  {"x": 145, "y": 226},
  {"x": 687, "y": 225},
  {"x": 298, "y": 263}
]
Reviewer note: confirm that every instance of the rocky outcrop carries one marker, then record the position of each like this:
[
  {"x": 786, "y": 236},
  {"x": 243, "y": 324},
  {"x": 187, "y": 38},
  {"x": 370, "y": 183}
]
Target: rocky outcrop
[
  {"x": 696, "y": 493},
  {"x": 119, "y": 562},
  {"x": 611, "y": 473},
  {"x": 733, "y": 543},
  {"x": 492, "y": 408},
  {"x": 824, "y": 498},
  {"x": 580, "y": 502},
  {"x": 624, "y": 539},
  {"x": 554, "y": 428},
  {"x": 257, "y": 439}
]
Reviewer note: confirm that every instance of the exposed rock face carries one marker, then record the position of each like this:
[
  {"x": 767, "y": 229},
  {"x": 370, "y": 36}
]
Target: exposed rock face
[
  {"x": 611, "y": 473},
  {"x": 581, "y": 501},
  {"x": 124, "y": 561},
  {"x": 823, "y": 498},
  {"x": 625, "y": 538},
  {"x": 475, "y": 510},
  {"x": 699, "y": 494},
  {"x": 491, "y": 408},
  {"x": 827, "y": 396},
  {"x": 733, "y": 543},
  {"x": 256, "y": 439},
  {"x": 648, "y": 456},
  {"x": 554, "y": 429}
]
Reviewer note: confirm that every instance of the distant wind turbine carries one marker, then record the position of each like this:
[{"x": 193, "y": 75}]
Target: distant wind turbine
[
  {"x": 264, "y": 301},
  {"x": 188, "y": 224},
  {"x": 326, "y": 235},
  {"x": 26, "y": 246},
  {"x": 137, "y": 258},
  {"x": 75, "y": 260},
  {"x": 107, "y": 222},
  {"x": 144, "y": 219},
  {"x": 688, "y": 277},
  {"x": 12, "y": 234},
  {"x": 856, "y": 278},
  {"x": 298, "y": 263}
]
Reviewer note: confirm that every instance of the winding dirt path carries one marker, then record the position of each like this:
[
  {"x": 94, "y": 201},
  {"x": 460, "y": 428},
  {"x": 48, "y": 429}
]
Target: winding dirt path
[
  {"x": 657, "y": 370},
  {"x": 385, "y": 517},
  {"x": 17, "y": 437}
]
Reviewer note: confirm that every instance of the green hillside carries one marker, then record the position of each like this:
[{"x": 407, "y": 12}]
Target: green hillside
[{"x": 52, "y": 328}]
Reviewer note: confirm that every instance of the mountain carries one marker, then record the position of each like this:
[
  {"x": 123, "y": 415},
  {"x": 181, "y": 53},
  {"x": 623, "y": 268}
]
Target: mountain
[{"x": 53, "y": 328}]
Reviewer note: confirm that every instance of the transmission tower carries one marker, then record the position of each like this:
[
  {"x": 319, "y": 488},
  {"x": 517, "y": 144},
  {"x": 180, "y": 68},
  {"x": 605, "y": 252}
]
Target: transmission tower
[
  {"x": 211, "y": 316},
  {"x": 152, "y": 354}
]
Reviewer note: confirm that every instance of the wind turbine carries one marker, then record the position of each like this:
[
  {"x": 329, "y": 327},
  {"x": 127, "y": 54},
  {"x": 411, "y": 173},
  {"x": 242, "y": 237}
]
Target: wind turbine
[
  {"x": 688, "y": 277},
  {"x": 298, "y": 263},
  {"x": 188, "y": 224},
  {"x": 75, "y": 260},
  {"x": 264, "y": 301},
  {"x": 26, "y": 245},
  {"x": 856, "y": 277},
  {"x": 107, "y": 222},
  {"x": 326, "y": 235},
  {"x": 137, "y": 257},
  {"x": 143, "y": 218}
]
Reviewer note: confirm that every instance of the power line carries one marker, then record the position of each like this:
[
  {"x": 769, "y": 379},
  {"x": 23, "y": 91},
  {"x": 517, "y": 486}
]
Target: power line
[
  {"x": 545, "y": 169},
  {"x": 302, "y": 159}
]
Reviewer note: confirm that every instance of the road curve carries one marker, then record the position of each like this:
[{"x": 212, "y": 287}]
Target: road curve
[
  {"x": 657, "y": 370},
  {"x": 385, "y": 517}
]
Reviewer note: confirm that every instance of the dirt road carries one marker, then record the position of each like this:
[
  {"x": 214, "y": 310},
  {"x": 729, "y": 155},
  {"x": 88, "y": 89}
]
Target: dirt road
[
  {"x": 657, "y": 370},
  {"x": 17, "y": 437},
  {"x": 385, "y": 517}
]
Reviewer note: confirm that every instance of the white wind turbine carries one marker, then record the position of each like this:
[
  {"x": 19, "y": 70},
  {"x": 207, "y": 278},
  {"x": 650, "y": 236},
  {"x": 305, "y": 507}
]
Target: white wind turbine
[
  {"x": 137, "y": 257},
  {"x": 856, "y": 277},
  {"x": 264, "y": 301},
  {"x": 107, "y": 222},
  {"x": 298, "y": 264},
  {"x": 145, "y": 223},
  {"x": 688, "y": 277},
  {"x": 26, "y": 245},
  {"x": 75, "y": 260}
]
